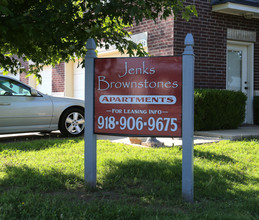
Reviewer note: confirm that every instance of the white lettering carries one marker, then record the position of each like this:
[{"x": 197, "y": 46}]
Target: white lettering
[
  {"x": 102, "y": 83},
  {"x": 144, "y": 70},
  {"x": 131, "y": 99}
]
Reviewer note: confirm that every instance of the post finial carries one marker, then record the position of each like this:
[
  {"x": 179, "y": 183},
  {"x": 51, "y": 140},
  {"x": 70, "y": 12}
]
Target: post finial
[
  {"x": 189, "y": 40},
  {"x": 90, "y": 45}
]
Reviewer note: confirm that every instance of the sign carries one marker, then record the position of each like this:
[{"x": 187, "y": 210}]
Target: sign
[{"x": 138, "y": 96}]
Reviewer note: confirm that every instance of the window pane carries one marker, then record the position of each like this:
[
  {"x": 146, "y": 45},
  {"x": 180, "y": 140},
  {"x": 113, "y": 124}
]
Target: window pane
[
  {"x": 11, "y": 87},
  {"x": 234, "y": 70}
]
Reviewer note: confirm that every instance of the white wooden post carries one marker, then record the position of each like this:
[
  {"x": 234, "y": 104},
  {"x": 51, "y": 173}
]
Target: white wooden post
[
  {"x": 188, "y": 119},
  {"x": 90, "y": 137}
]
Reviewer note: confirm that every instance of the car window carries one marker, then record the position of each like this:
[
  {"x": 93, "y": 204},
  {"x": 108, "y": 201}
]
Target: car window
[{"x": 10, "y": 87}]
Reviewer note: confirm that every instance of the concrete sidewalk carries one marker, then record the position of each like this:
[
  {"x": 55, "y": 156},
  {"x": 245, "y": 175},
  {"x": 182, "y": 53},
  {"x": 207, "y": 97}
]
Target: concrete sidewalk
[
  {"x": 168, "y": 142},
  {"x": 251, "y": 131}
]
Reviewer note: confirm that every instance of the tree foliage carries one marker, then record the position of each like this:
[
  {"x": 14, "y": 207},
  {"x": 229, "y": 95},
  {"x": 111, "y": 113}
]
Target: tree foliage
[{"x": 50, "y": 31}]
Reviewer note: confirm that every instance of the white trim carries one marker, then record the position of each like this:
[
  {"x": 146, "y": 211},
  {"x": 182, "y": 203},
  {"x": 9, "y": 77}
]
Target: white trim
[
  {"x": 236, "y": 9},
  {"x": 250, "y": 75}
]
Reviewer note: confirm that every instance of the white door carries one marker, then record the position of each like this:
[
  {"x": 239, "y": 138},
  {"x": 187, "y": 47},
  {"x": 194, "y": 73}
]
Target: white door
[
  {"x": 238, "y": 74},
  {"x": 79, "y": 82}
]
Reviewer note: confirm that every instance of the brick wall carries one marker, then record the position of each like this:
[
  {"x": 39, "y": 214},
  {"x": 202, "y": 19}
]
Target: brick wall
[
  {"x": 58, "y": 78},
  {"x": 210, "y": 37},
  {"x": 160, "y": 36},
  {"x": 24, "y": 79}
]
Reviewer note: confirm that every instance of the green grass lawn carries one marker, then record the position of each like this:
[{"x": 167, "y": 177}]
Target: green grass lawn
[{"x": 44, "y": 179}]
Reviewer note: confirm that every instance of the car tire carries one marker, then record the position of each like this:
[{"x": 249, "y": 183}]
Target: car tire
[{"x": 72, "y": 122}]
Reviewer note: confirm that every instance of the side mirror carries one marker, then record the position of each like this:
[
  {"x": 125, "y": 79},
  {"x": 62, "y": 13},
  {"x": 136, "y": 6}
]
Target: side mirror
[{"x": 34, "y": 92}]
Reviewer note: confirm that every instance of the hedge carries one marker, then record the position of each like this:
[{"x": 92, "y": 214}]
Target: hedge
[
  {"x": 218, "y": 109},
  {"x": 256, "y": 110}
]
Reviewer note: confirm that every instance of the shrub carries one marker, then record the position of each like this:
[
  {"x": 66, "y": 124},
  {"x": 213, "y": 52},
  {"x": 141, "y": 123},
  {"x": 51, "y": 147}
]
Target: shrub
[
  {"x": 256, "y": 110},
  {"x": 218, "y": 109}
]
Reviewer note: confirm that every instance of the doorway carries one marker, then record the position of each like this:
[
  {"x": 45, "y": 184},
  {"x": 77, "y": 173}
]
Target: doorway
[{"x": 240, "y": 73}]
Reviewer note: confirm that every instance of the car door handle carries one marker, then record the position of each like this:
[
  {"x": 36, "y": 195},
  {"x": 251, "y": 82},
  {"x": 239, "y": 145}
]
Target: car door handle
[{"x": 5, "y": 103}]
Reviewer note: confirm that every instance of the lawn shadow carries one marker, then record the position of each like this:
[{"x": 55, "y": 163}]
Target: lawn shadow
[
  {"x": 38, "y": 180},
  {"x": 141, "y": 178},
  {"x": 163, "y": 180},
  {"x": 213, "y": 156},
  {"x": 38, "y": 144}
]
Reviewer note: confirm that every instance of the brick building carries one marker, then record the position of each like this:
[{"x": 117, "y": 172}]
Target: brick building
[{"x": 226, "y": 37}]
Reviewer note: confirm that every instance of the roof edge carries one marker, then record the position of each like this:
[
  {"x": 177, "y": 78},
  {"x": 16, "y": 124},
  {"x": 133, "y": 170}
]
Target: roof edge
[{"x": 254, "y": 3}]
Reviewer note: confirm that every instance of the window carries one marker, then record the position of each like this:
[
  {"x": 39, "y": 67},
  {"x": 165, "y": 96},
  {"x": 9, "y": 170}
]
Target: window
[{"x": 10, "y": 87}]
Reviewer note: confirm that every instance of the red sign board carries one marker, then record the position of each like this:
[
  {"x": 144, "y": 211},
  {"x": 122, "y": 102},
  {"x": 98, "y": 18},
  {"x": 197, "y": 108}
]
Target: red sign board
[{"x": 138, "y": 96}]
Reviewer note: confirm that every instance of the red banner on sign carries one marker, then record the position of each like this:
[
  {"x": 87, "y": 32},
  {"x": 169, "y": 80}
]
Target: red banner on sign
[{"x": 138, "y": 96}]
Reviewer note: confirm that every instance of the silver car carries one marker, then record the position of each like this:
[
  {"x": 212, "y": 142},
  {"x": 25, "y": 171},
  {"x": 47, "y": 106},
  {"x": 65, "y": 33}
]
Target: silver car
[{"x": 24, "y": 109}]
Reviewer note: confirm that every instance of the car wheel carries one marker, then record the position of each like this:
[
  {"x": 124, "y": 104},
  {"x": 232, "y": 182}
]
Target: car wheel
[{"x": 72, "y": 122}]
